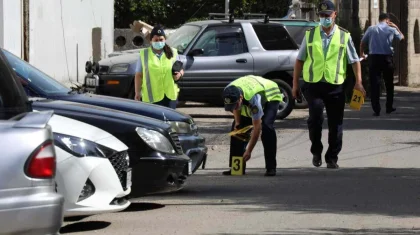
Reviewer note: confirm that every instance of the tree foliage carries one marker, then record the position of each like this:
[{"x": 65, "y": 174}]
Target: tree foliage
[{"x": 173, "y": 13}]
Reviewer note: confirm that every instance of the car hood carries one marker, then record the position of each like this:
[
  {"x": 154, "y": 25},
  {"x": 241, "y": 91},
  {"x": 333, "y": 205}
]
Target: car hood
[
  {"x": 131, "y": 106},
  {"x": 120, "y": 59},
  {"x": 68, "y": 126},
  {"x": 138, "y": 120}
]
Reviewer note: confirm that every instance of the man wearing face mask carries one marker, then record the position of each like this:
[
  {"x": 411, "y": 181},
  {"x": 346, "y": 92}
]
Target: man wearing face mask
[
  {"x": 155, "y": 80},
  {"x": 324, "y": 54}
]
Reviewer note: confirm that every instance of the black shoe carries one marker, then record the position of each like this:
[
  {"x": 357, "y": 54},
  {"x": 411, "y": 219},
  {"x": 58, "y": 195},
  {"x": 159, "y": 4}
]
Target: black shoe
[
  {"x": 332, "y": 165},
  {"x": 388, "y": 111},
  {"x": 376, "y": 114},
  {"x": 227, "y": 172},
  {"x": 270, "y": 172},
  {"x": 316, "y": 160}
]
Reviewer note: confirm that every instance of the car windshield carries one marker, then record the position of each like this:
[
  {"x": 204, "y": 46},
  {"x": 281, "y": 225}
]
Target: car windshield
[
  {"x": 38, "y": 80},
  {"x": 298, "y": 32},
  {"x": 181, "y": 38}
]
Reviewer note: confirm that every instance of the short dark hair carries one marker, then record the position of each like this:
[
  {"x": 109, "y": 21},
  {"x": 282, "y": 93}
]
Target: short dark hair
[{"x": 383, "y": 16}]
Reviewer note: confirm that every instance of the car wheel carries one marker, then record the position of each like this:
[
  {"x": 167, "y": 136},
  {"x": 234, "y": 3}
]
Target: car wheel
[{"x": 286, "y": 106}]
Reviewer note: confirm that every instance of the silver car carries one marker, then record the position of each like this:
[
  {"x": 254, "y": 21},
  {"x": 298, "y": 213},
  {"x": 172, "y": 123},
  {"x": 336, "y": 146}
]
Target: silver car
[{"x": 29, "y": 203}]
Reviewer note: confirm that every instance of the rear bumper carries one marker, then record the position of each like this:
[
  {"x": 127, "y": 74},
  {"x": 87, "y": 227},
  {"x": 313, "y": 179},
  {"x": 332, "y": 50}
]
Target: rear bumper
[
  {"x": 40, "y": 213},
  {"x": 156, "y": 174},
  {"x": 117, "y": 85}
]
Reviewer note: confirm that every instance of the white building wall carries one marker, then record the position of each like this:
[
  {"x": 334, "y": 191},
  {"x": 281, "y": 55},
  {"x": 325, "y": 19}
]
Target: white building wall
[
  {"x": 11, "y": 26},
  {"x": 57, "y": 27}
]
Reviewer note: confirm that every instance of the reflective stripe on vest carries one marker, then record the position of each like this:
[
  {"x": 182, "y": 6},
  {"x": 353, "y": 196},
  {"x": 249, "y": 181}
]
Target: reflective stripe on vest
[
  {"x": 331, "y": 66},
  {"x": 163, "y": 83}
]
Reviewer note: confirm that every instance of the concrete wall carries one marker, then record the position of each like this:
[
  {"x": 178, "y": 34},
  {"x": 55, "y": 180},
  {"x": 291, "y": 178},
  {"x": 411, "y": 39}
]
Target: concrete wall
[
  {"x": 57, "y": 27},
  {"x": 413, "y": 58},
  {"x": 11, "y": 26}
]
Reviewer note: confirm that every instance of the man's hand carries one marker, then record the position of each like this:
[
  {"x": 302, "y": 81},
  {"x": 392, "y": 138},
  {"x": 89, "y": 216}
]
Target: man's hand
[
  {"x": 360, "y": 87},
  {"x": 247, "y": 155},
  {"x": 137, "y": 96},
  {"x": 392, "y": 25}
]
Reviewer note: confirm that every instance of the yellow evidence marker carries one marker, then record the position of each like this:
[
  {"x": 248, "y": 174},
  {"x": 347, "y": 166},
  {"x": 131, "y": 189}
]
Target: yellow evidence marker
[
  {"x": 237, "y": 166},
  {"x": 357, "y": 99}
]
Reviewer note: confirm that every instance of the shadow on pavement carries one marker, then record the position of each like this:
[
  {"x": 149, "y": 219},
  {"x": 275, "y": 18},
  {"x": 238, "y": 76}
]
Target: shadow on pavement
[
  {"x": 380, "y": 191},
  {"x": 140, "y": 206},
  {"x": 84, "y": 226},
  {"x": 336, "y": 231}
]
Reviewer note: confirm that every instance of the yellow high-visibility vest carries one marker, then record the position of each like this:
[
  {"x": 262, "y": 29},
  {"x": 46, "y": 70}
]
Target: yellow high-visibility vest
[
  {"x": 252, "y": 85},
  {"x": 157, "y": 76},
  {"x": 332, "y": 66}
]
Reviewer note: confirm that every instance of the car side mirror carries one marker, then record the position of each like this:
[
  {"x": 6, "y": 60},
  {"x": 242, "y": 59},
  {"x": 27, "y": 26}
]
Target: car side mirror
[{"x": 196, "y": 52}]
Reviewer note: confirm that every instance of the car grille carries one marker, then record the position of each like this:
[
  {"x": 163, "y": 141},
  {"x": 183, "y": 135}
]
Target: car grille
[
  {"x": 120, "y": 165},
  {"x": 177, "y": 143}
]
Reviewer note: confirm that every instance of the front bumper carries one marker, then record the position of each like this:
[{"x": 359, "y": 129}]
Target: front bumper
[
  {"x": 194, "y": 147},
  {"x": 158, "y": 173},
  {"x": 117, "y": 85}
]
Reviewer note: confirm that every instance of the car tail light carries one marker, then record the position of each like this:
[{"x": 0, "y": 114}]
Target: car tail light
[{"x": 41, "y": 163}]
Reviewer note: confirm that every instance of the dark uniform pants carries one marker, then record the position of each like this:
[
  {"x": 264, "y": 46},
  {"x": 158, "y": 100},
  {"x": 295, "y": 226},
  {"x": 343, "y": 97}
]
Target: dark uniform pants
[
  {"x": 167, "y": 103},
  {"x": 332, "y": 97},
  {"x": 381, "y": 64},
  {"x": 268, "y": 136}
]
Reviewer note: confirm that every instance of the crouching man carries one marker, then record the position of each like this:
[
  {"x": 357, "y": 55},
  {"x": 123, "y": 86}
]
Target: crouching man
[{"x": 254, "y": 100}]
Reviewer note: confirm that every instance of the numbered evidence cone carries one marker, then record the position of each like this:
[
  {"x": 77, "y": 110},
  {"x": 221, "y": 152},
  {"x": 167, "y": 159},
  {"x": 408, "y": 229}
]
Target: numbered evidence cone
[
  {"x": 238, "y": 163},
  {"x": 357, "y": 99}
]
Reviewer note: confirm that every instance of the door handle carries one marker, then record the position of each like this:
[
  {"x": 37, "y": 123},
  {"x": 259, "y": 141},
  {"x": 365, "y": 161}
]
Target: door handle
[{"x": 241, "y": 61}]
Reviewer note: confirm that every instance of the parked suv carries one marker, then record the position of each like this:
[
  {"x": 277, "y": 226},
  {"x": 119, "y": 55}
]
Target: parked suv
[{"x": 214, "y": 53}]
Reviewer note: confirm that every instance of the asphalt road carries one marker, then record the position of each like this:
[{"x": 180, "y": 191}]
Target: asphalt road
[{"x": 375, "y": 191}]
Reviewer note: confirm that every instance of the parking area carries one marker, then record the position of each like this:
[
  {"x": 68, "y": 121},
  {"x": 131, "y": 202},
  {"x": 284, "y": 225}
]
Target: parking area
[{"x": 375, "y": 191}]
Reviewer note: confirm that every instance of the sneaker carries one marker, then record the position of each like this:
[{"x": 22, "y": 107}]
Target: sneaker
[{"x": 270, "y": 172}]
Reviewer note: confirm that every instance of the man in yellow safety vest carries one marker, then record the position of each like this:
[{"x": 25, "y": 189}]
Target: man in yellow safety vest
[
  {"x": 324, "y": 54},
  {"x": 254, "y": 101}
]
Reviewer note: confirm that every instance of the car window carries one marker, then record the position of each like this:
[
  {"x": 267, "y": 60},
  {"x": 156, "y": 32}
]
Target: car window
[
  {"x": 38, "y": 80},
  {"x": 222, "y": 41},
  {"x": 298, "y": 32},
  {"x": 274, "y": 37},
  {"x": 181, "y": 38}
]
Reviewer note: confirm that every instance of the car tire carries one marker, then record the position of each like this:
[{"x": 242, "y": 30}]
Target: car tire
[
  {"x": 131, "y": 93},
  {"x": 285, "y": 108}
]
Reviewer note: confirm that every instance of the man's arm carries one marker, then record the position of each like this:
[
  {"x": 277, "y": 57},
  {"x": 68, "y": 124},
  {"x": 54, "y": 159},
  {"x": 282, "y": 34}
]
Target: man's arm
[
  {"x": 353, "y": 59},
  {"x": 138, "y": 80},
  {"x": 237, "y": 117},
  {"x": 257, "y": 114},
  {"x": 298, "y": 67},
  {"x": 397, "y": 32}
]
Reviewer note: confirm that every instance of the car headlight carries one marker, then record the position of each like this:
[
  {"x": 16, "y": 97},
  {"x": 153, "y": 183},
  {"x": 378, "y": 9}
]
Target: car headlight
[
  {"x": 183, "y": 127},
  {"x": 119, "y": 68},
  {"x": 80, "y": 147},
  {"x": 155, "y": 140}
]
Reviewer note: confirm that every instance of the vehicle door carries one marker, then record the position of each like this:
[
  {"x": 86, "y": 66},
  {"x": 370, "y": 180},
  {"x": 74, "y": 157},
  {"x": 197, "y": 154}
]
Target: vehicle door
[{"x": 218, "y": 56}]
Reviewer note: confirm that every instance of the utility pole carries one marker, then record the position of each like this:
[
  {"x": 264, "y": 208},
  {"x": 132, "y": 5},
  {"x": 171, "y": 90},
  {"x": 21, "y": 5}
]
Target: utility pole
[{"x": 226, "y": 7}]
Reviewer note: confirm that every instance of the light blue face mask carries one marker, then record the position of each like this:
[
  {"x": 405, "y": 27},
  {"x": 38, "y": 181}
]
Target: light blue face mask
[
  {"x": 326, "y": 22},
  {"x": 158, "y": 45}
]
